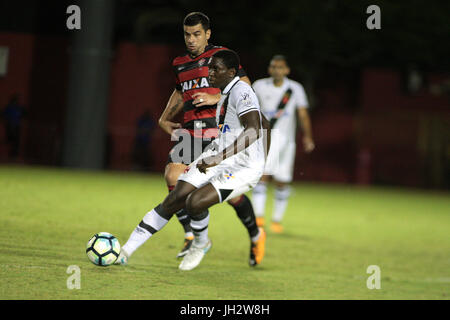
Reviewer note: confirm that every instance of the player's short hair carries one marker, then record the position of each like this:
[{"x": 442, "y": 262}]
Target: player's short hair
[
  {"x": 230, "y": 59},
  {"x": 280, "y": 57},
  {"x": 194, "y": 18}
]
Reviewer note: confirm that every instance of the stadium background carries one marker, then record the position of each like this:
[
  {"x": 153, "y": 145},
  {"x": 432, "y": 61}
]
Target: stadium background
[{"x": 376, "y": 119}]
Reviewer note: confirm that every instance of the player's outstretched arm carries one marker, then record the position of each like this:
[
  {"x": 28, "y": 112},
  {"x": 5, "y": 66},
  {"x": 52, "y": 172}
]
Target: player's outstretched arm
[
  {"x": 173, "y": 107},
  {"x": 251, "y": 133},
  {"x": 267, "y": 133}
]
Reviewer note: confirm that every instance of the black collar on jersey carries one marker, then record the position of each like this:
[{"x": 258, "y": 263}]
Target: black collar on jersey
[{"x": 230, "y": 85}]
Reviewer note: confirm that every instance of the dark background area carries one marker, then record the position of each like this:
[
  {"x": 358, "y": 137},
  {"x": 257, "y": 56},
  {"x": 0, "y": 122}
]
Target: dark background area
[{"x": 380, "y": 99}]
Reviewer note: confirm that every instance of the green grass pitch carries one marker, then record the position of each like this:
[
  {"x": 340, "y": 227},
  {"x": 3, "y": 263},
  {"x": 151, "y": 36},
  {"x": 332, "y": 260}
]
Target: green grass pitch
[{"x": 332, "y": 234}]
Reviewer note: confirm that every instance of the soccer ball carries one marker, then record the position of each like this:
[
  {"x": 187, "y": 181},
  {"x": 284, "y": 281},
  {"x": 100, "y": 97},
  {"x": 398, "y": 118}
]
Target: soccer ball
[{"x": 103, "y": 249}]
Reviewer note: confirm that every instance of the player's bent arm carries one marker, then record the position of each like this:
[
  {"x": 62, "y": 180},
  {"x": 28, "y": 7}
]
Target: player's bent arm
[
  {"x": 173, "y": 107},
  {"x": 205, "y": 99},
  {"x": 251, "y": 133}
]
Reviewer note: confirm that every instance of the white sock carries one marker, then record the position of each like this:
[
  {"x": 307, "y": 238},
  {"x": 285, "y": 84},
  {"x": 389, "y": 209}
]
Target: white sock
[
  {"x": 150, "y": 224},
  {"x": 280, "y": 203},
  {"x": 200, "y": 229},
  {"x": 136, "y": 239},
  {"x": 259, "y": 196}
]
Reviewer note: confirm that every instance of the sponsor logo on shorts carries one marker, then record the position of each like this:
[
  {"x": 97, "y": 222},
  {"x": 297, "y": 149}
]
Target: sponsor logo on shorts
[{"x": 229, "y": 176}]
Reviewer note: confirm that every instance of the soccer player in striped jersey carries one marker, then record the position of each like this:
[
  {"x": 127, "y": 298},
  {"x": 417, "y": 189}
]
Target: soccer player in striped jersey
[
  {"x": 198, "y": 100},
  {"x": 232, "y": 166}
]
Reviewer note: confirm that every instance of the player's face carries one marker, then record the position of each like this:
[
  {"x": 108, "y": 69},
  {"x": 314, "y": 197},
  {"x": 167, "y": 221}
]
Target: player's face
[
  {"x": 278, "y": 69},
  {"x": 196, "y": 39},
  {"x": 219, "y": 74}
]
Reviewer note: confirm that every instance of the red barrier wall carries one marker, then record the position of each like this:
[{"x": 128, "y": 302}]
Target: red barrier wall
[
  {"x": 142, "y": 79},
  {"x": 18, "y": 77}
]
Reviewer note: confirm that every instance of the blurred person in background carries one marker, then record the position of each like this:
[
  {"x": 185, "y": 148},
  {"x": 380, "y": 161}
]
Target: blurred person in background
[
  {"x": 13, "y": 114},
  {"x": 283, "y": 101},
  {"x": 141, "y": 152}
]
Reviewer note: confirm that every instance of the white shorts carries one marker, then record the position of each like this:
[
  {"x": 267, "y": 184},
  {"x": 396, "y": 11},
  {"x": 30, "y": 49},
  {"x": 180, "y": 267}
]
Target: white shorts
[
  {"x": 231, "y": 178},
  {"x": 280, "y": 161}
]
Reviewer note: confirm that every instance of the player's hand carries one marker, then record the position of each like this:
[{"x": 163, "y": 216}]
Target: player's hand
[
  {"x": 308, "y": 144},
  {"x": 208, "y": 162},
  {"x": 169, "y": 126},
  {"x": 205, "y": 99}
]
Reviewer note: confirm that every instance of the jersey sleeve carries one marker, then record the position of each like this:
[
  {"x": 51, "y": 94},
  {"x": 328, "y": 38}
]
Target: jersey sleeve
[
  {"x": 300, "y": 98},
  {"x": 177, "y": 80},
  {"x": 245, "y": 101}
]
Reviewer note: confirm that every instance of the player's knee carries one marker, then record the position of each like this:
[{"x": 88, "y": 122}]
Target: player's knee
[
  {"x": 174, "y": 201},
  {"x": 170, "y": 177},
  {"x": 171, "y": 174},
  {"x": 195, "y": 204}
]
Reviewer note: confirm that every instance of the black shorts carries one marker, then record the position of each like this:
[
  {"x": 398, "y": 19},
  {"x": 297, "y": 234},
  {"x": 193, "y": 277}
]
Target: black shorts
[{"x": 194, "y": 147}]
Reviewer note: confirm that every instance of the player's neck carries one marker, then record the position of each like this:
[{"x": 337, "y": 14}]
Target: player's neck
[
  {"x": 278, "y": 82},
  {"x": 200, "y": 52}
]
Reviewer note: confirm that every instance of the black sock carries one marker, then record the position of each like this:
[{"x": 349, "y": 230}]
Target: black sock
[
  {"x": 244, "y": 210},
  {"x": 185, "y": 220},
  {"x": 183, "y": 217}
]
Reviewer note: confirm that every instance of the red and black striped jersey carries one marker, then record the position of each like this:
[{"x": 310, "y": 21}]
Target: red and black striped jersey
[{"x": 191, "y": 76}]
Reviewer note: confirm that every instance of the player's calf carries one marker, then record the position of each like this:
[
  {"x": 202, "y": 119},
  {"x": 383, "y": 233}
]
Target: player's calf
[{"x": 157, "y": 218}]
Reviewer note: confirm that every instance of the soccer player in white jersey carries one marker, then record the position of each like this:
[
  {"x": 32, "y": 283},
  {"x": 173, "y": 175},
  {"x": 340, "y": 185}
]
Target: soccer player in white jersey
[
  {"x": 232, "y": 166},
  {"x": 282, "y": 101}
]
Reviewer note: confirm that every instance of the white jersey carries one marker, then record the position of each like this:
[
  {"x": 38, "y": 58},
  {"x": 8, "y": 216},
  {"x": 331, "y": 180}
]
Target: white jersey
[
  {"x": 238, "y": 98},
  {"x": 270, "y": 97},
  {"x": 239, "y": 173}
]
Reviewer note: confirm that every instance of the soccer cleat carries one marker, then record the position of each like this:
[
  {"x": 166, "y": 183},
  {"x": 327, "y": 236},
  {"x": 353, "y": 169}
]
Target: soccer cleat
[
  {"x": 122, "y": 259},
  {"x": 257, "y": 249},
  {"x": 194, "y": 256},
  {"x": 260, "y": 222},
  {"x": 187, "y": 245},
  {"x": 276, "y": 227}
]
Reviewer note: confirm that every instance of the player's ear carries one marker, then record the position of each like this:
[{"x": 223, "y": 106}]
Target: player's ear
[{"x": 208, "y": 34}]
